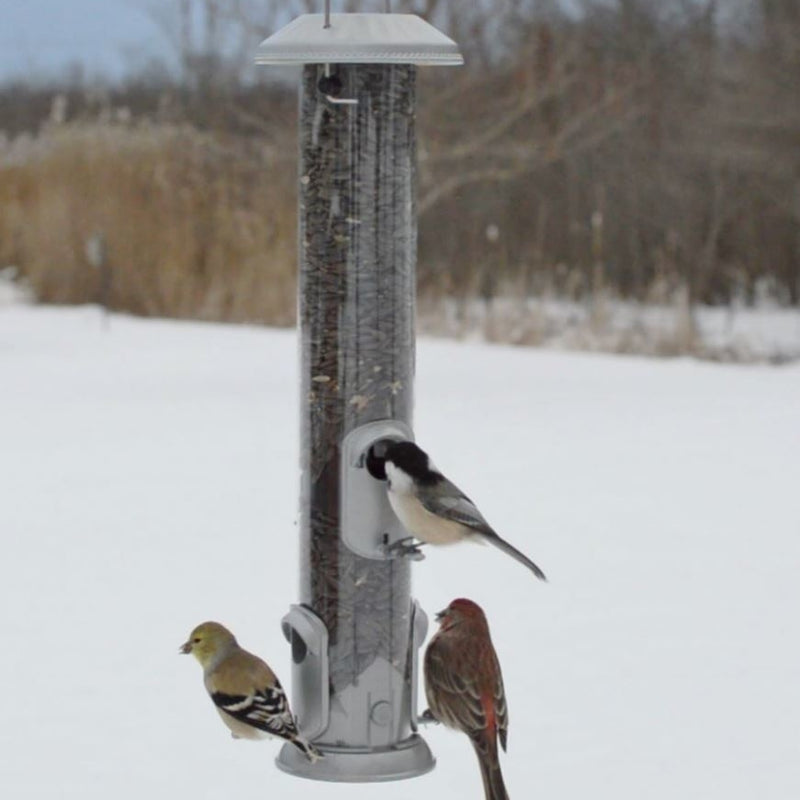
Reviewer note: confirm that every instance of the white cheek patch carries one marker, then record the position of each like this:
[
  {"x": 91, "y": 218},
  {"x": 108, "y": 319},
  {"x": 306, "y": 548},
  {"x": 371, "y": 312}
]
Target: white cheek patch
[{"x": 399, "y": 481}]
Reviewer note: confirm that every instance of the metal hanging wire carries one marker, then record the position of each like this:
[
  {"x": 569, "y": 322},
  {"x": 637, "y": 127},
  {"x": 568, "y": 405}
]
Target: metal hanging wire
[
  {"x": 387, "y": 7},
  {"x": 338, "y": 101}
]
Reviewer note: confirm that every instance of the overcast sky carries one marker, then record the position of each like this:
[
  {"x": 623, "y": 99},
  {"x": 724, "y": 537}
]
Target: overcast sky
[{"x": 40, "y": 38}]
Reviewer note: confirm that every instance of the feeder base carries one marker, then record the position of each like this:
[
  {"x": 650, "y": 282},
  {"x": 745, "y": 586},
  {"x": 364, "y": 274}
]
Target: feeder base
[{"x": 351, "y": 765}]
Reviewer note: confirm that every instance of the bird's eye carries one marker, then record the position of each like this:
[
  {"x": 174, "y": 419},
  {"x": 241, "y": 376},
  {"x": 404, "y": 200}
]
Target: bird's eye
[{"x": 196, "y": 640}]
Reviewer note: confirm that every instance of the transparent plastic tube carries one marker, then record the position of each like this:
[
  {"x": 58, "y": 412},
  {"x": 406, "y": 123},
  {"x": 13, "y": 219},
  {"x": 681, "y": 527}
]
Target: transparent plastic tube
[{"x": 356, "y": 321}]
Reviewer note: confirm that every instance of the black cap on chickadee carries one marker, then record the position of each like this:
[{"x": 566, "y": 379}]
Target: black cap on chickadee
[{"x": 376, "y": 458}]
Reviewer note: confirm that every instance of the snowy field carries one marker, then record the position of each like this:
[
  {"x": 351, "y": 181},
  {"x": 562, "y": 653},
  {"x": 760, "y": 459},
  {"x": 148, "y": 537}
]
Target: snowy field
[
  {"x": 765, "y": 333},
  {"x": 149, "y": 482}
]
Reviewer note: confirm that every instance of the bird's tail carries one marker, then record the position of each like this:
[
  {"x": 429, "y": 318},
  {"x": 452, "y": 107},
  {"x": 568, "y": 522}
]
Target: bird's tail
[
  {"x": 308, "y": 749},
  {"x": 493, "y": 785},
  {"x": 503, "y": 545}
]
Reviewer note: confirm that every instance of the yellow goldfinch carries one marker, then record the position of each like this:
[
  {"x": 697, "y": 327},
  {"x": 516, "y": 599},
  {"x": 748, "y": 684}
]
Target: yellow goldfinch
[{"x": 245, "y": 691}]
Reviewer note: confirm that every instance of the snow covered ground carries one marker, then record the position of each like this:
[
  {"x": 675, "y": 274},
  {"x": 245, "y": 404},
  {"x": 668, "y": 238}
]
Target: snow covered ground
[{"x": 148, "y": 482}]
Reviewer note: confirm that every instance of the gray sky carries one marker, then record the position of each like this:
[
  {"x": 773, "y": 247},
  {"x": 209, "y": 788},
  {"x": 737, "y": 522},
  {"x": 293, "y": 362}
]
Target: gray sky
[{"x": 40, "y": 38}]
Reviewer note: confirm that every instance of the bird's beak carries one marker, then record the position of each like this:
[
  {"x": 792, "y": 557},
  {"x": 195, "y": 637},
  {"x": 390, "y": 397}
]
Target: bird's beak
[
  {"x": 440, "y": 615},
  {"x": 185, "y": 648}
]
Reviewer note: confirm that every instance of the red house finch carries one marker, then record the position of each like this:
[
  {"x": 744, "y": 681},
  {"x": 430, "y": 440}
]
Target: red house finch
[{"x": 464, "y": 687}]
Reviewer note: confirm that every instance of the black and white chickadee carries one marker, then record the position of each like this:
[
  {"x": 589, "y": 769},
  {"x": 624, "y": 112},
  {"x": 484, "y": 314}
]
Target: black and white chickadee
[{"x": 430, "y": 507}]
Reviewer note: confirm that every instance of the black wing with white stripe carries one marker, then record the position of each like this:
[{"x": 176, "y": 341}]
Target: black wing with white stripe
[{"x": 267, "y": 710}]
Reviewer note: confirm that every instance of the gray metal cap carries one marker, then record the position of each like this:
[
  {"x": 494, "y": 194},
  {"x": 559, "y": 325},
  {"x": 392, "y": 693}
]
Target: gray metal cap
[{"x": 359, "y": 39}]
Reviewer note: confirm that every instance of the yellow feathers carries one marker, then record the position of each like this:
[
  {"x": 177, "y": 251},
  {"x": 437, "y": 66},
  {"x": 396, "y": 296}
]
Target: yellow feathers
[{"x": 208, "y": 642}]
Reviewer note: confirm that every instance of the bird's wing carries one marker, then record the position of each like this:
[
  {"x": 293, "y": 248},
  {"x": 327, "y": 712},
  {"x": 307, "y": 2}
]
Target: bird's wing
[
  {"x": 446, "y": 500},
  {"x": 263, "y": 704},
  {"x": 453, "y": 700},
  {"x": 501, "y": 707},
  {"x": 457, "y": 701},
  {"x": 266, "y": 709}
]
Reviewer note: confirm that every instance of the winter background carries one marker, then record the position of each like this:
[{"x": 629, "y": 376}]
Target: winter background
[{"x": 149, "y": 483}]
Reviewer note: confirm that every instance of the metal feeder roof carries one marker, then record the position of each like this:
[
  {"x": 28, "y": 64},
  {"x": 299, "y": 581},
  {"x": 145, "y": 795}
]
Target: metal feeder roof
[{"x": 359, "y": 39}]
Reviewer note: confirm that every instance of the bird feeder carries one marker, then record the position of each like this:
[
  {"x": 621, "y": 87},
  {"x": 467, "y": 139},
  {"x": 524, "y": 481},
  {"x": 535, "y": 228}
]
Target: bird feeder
[{"x": 356, "y": 630}]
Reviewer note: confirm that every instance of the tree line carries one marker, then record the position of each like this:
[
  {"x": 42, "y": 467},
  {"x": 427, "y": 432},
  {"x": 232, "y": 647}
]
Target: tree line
[{"x": 631, "y": 148}]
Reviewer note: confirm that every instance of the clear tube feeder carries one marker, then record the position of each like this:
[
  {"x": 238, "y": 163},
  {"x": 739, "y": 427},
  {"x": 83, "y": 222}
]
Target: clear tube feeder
[{"x": 356, "y": 631}]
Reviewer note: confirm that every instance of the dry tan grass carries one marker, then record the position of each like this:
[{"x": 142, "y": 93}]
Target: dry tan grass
[
  {"x": 553, "y": 318},
  {"x": 200, "y": 225},
  {"x": 194, "y": 226}
]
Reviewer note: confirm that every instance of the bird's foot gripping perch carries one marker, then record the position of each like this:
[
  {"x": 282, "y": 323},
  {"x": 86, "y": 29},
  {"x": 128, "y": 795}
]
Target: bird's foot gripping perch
[
  {"x": 427, "y": 718},
  {"x": 403, "y": 548}
]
